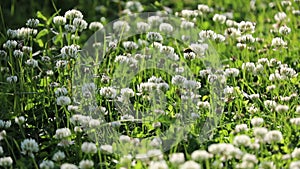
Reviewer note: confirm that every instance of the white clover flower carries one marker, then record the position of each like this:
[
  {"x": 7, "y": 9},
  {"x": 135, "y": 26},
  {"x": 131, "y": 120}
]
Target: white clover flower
[
  {"x": 32, "y": 62},
  {"x": 247, "y": 38},
  {"x": 108, "y": 92},
  {"x": 245, "y": 26},
  {"x": 287, "y": 72},
  {"x": 61, "y": 63},
  {"x": 156, "y": 142},
  {"x": 130, "y": 45},
  {"x": 278, "y": 42},
  {"x": 134, "y": 6},
  {"x": 280, "y": 16},
  {"x": 273, "y": 136},
  {"x": 257, "y": 121},
  {"x": 71, "y": 14},
  {"x": 29, "y": 146},
  {"x": 27, "y": 49},
  {"x": 20, "y": 120},
  {"x": 166, "y": 28},
  {"x": 295, "y": 121},
  {"x": 296, "y": 12},
  {"x": 229, "y": 90},
  {"x": 232, "y": 32},
  {"x": 241, "y": 127},
  {"x": 121, "y": 26},
  {"x": 273, "y": 62},
  {"x": 63, "y": 100},
  {"x": 47, "y": 164},
  {"x": 281, "y": 108},
  {"x": 167, "y": 49},
  {"x": 191, "y": 84},
  {"x": 254, "y": 96},
  {"x": 218, "y": 38},
  {"x": 73, "y": 108},
  {"x": 298, "y": 109},
  {"x": 2, "y": 134},
  {"x": 93, "y": 123},
  {"x": 86, "y": 164},
  {"x": 270, "y": 104},
  {"x": 18, "y": 53},
  {"x": 70, "y": 28},
  {"x": 108, "y": 149},
  {"x": 190, "y": 165},
  {"x": 58, "y": 156},
  {"x": 244, "y": 165},
  {"x": 201, "y": 155},
  {"x": 178, "y": 80},
  {"x": 62, "y": 133},
  {"x": 187, "y": 25},
  {"x": 124, "y": 139},
  {"x": 275, "y": 76},
  {"x": 219, "y": 18},
  {"x": 12, "y": 79},
  {"x": 5, "y": 124},
  {"x": 284, "y": 30},
  {"x": 79, "y": 24},
  {"x": 127, "y": 93},
  {"x": 154, "y": 20},
  {"x": 89, "y": 148},
  {"x": 45, "y": 58},
  {"x": 176, "y": 158},
  {"x": 205, "y": 72},
  {"x": 241, "y": 46},
  {"x": 219, "y": 148},
  {"x": 155, "y": 154},
  {"x": 203, "y": 8},
  {"x": 59, "y": 20},
  {"x": 162, "y": 87},
  {"x": 26, "y": 32},
  {"x": 250, "y": 158},
  {"x": 242, "y": 140},
  {"x": 95, "y": 26},
  {"x": 32, "y": 23},
  {"x": 259, "y": 68},
  {"x": 248, "y": 66},
  {"x": 204, "y": 105},
  {"x": 286, "y": 3},
  {"x": 206, "y": 34},
  {"x": 61, "y": 91},
  {"x": 68, "y": 166},
  {"x": 12, "y": 33},
  {"x": 154, "y": 36},
  {"x": 234, "y": 72},
  {"x": 296, "y": 153},
  {"x": 270, "y": 88},
  {"x": 69, "y": 51},
  {"x": 143, "y": 26},
  {"x": 294, "y": 165},
  {"x": 158, "y": 165},
  {"x": 231, "y": 23},
  {"x": 267, "y": 165},
  {"x": 263, "y": 61},
  {"x": 6, "y": 162},
  {"x": 10, "y": 44},
  {"x": 121, "y": 59},
  {"x": 189, "y": 13},
  {"x": 199, "y": 49}
]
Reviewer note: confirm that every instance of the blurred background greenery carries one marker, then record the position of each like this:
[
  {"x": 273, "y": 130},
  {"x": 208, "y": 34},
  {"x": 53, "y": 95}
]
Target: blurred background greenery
[{"x": 14, "y": 13}]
